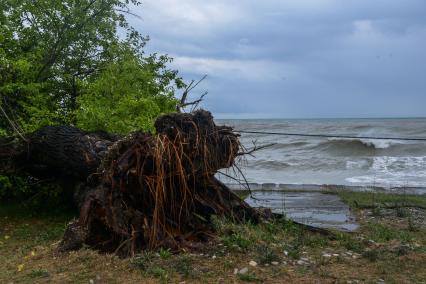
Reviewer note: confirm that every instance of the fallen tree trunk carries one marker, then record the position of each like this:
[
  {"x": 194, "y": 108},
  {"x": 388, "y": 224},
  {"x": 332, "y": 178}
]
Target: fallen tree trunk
[{"x": 141, "y": 191}]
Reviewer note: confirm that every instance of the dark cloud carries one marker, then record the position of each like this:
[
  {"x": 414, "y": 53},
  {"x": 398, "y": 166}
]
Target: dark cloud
[{"x": 312, "y": 58}]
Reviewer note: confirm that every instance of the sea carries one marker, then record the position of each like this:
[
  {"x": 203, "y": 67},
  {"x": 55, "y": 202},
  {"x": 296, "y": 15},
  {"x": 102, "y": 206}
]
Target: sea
[{"x": 389, "y": 164}]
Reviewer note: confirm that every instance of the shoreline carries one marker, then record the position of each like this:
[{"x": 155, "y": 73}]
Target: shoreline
[{"x": 326, "y": 188}]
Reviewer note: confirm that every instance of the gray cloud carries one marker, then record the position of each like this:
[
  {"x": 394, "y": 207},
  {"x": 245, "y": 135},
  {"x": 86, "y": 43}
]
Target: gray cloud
[{"x": 311, "y": 58}]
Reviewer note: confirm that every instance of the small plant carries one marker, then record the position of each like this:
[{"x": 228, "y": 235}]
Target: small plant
[
  {"x": 143, "y": 261},
  {"x": 371, "y": 255},
  {"x": 349, "y": 242},
  {"x": 266, "y": 255},
  {"x": 39, "y": 274},
  {"x": 249, "y": 277},
  {"x": 164, "y": 253},
  {"x": 377, "y": 211},
  {"x": 158, "y": 272},
  {"x": 228, "y": 264},
  {"x": 183, "y": 266},
  {"x": 402, "y": 212},
  {"x": 237, "y": 240}
]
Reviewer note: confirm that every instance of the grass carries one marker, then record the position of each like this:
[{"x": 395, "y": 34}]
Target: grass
[
  {"x": 266, "y": 255},
  {"x": 249, "y": 277},
  {"x": 382, "y": 200},
  {"x": 381, "y": 249}
]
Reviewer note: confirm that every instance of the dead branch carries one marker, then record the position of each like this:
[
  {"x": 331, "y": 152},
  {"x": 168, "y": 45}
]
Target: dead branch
[
  {"x": 183, "y": 101},
  {"x": 255, "y": 148}
]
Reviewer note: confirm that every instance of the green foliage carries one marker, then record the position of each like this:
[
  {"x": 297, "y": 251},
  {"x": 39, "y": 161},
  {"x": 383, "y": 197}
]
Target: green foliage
[
  {"x": 55, "y": 54},
  {"x": 12, "y": 187},
  {"x": 5, "y": 186},
  {"x": 128, "y": 95},
  {"x": 62, "y": 62},
  {"x": 34, "y": 195}
]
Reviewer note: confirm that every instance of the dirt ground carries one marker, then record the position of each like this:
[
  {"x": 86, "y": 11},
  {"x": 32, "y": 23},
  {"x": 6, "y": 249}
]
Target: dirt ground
[{"x": 389, "y": 247}]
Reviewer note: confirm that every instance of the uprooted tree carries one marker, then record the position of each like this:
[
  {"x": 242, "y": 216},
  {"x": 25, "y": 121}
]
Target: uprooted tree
[{"x": 141, "y": 191}]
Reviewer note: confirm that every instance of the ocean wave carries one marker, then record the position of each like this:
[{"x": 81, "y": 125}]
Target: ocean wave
[
  {"x": 400, "y": 171},
  {"x": 271, "y": 164},
  {"x": 350, "y": 147},
  {"x": 280, "y": 145},
  {"x": 370, "y": 143},
  {"x": 362, "y": 126}
]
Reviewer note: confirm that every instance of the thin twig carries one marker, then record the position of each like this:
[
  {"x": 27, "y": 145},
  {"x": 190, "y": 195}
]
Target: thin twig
[
  {"x": 12, "y": 124},
  {"x": 254, "y": 149}
]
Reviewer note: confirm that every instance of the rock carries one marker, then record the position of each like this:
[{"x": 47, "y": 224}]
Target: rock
[
  {"x": 243, "y": 270},
  {"x": 335, "y": 254},
  {"x": 275, "y": 263},
  {"x": 300, "y": 262},
  {"x": 326, "y": 255},
  {"x": 235, "y": 270},
  {"x": 214, "y": 256},
  {"x": 304, "y": 259},
  {"x": 284, "y": 262},
  {"x": 253, "y": 263},
  {"x": 286, "y": 253}
]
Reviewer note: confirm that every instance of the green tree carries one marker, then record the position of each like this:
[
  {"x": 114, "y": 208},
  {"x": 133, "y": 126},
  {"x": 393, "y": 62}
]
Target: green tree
[
  {"x": 128, "y": 95},
  {"x": 52, "y": 52}
]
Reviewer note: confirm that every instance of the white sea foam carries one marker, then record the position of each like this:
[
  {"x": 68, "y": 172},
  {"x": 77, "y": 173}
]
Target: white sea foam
[
  {"x": 360, "y": 164},
  {"x": 394, "y": 171},
  {"x": 381, "y": 144}
]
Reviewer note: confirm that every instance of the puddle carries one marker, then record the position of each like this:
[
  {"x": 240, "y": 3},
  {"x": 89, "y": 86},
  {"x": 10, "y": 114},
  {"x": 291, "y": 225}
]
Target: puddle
[{"x": 311, "y": 208}]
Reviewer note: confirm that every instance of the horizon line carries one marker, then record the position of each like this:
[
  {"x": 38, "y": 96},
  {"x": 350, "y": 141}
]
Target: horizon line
[{"x": 311, "y": 118}]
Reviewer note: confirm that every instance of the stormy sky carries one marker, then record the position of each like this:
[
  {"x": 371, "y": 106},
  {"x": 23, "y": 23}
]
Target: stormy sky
[{"x": 296, "y": 58}]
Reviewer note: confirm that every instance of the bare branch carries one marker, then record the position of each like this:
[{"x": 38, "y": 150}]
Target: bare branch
[
  {"x": 128, "y": 13},
  {"x": 255, "y": 148},
  {"x": 184, "y": 97}
]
